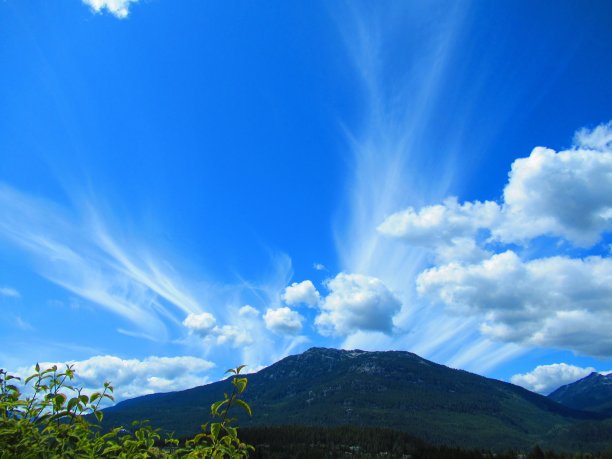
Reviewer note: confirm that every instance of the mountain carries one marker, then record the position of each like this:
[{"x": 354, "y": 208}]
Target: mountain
[
  {"x": 592, "y": 393},
  {"x": 397, "y": 390}
]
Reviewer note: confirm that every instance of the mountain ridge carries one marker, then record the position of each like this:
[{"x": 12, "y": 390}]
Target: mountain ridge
[
  {"x": 592, "y": 393},
  {"x": 392, "y": 389}
]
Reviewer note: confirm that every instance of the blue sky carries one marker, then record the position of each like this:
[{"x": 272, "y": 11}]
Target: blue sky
[{"x": 188, "y": 186}]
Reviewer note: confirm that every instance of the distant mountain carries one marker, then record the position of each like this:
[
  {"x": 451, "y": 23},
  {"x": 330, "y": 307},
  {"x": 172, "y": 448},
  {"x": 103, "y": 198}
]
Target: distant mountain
[
  {"x": 397, "y": 390},
  {"x": 592, "y": 393}
]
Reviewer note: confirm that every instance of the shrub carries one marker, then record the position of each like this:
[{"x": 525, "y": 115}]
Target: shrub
[{"x": 45, "y": 416}]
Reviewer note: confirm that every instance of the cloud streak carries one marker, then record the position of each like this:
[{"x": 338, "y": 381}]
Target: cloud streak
[
  {"x": 397, "y": 159},
  {"x": 9, "y": 292},
  {"x": 80, "y": 255}
]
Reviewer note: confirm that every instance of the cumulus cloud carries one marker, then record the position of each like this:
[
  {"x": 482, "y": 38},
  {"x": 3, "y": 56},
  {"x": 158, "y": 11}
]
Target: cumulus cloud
[
  {"x": 133, "y": 377},
  {"x": 9, "y": 292},
  {"x": 248, "y": 310},
  {"x": 566, "y": 194},
  {"x": 201, "y": 324},
  {"x": 283, "y": 320},
  {"x": 205, "y": 326},
  {"x": 546, "y": 378},
  {"x": 448, "y": 229},
  {"x": 441, "y": 225},
  {"x": 301, "y": 293},
  {"x": 118, "y": 8},
  {"x": 599, "y": 138},
  {"x": 556, "y": 301},
  {"x": 232, "y": 335},
  {"x": 356, "y": 302}
]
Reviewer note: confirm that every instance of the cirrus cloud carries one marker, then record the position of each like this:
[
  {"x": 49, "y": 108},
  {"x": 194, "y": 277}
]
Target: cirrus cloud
[{"x": 9, "y": 292}]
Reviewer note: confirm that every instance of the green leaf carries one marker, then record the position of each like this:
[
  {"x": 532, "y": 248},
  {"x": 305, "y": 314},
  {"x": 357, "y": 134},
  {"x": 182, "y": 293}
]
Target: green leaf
[
  {"x": 214, "y": 408},
  {"x": 99, "y": 415},
  {"x": 239, "y": 369},
  {"x": 240, "y": 384},
  {"x": 244, "y": 405},
  {"x": 59, "y": 400},
  {"x": 232, "y": 431},
  {"x": 215, "y": 428},
  {"x": 72, "y": 403}
]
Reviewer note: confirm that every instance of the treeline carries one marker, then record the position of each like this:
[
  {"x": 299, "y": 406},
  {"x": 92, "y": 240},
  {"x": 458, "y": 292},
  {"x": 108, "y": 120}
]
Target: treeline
[{"x": 309, "y": 442}]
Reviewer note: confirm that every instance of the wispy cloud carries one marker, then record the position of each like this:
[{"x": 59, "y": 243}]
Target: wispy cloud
[
  {"x": 78, "y": 250},
  {"x": 78, "y": 253},
  {"x": 9, "y": 292},
  {"x": 393, "y": 165}
]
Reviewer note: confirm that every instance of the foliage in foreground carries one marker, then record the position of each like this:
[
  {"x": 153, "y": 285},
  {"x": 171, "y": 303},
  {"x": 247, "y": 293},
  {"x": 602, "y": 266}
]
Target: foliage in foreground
[{"x": 46, "y": 417}]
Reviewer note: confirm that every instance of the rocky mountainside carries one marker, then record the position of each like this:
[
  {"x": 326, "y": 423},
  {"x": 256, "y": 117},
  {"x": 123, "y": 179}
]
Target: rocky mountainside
[
  {"x": 592, "y": 393},
  {"x": 398, "y": 390}
]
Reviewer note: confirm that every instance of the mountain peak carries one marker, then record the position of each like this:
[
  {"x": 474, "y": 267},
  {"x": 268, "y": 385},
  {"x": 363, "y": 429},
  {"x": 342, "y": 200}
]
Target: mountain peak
[
  {"x": 337, "y": 352},
  {"x": 591, "y": 393},
  {"x": 326, "y": 387}
]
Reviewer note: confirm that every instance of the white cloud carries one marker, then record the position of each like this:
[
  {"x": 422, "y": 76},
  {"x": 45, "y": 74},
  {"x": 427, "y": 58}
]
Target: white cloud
[
  {"x": 440, "y": 225},
  {"x": 133, "y": 377},
  {"x": 599, "y": 138},
  {"x": 555, "y": 302},
  {"x": 566, "y": 194},
  {"x": 356, "y": 302},
  {"x": 248, "y": 310},
  {"x": 283, "y": 320},
  {"x": 319, "y": 266},
  {"x": 119, "y": 8},
  {"x": 201, "y": 324},
  {"x": 9, "y": 292},
  {"x": 546, "y": 378},
  {"x": 232, "y": 335},
  {"x": 302, "y": 293},
  {"x": 82, "y": 256},
  {"x": 205, "y": 326}
]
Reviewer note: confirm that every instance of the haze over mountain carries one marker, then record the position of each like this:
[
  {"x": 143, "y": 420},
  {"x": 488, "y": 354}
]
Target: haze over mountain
[
  {"x": 592, "y": 393},
  {"x": 394, "y": 389}
]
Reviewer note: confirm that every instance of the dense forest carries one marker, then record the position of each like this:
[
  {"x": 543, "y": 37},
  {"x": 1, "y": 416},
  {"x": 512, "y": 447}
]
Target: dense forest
[{"x": 282, "y": 442}]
